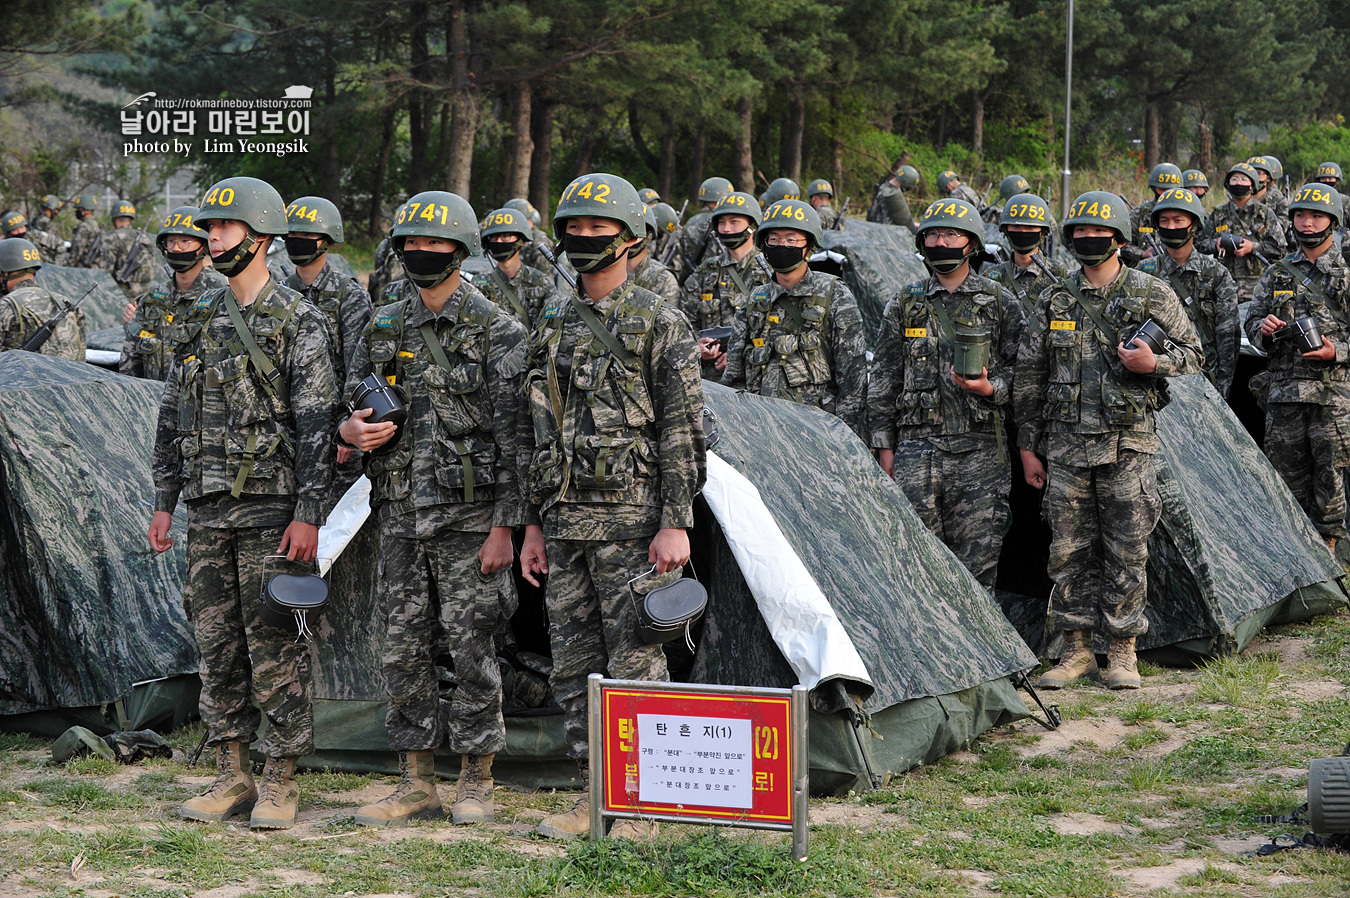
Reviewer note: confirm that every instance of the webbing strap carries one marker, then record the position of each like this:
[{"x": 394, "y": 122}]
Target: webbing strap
[
  {"x": 271, "y": 375},
  {"x": 597, "y": 327},
  {"x": 428, "y": 331},
  {"x": 511, "y": 295}
]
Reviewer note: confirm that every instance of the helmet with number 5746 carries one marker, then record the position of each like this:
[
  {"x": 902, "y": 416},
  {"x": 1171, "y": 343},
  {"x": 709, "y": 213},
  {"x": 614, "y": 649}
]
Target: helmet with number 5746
[{"x": 793, "y": 214}]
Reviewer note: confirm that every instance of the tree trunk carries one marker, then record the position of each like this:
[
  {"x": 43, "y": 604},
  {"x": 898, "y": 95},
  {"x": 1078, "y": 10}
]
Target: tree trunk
[
  {"x": 745, "y": 166},
  {"x": 587, "y": 143},
  {"x": 639, "y": 142},
  {"x": 696, "y": 163},
  {"x": 332, "y": 161},
  {"x": 977, "y": 122},
  {"x": 942, "y": 128},
  {"x": 794, "y": 123},
  {"x": 443, "y": 139},
  {"x": 522, "y": 143},
  {"x": 836, "y": 145},
  {"x": 464, "y": 101},
  {"x": 1206, "y": 147},
  {"x": 418, "y": 132},
  {"x": 666, "y": 180},
  {"x": 387, "y": 133},
  {"x": 541, "y": 163},
  {"x": 1151, "y": 151}
]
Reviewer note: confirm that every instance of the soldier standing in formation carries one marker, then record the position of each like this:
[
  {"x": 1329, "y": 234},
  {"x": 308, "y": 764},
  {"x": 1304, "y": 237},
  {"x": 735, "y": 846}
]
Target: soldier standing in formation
[
  {"x": 889, "y": 205},
  {"x": 45, "y": 220},
  {"x": 695, "y": 241},
  {"x": 245, "y": 437},
  {"x": 1025, "y": 222},
  {"x": 126, "y": 253},
  {"x": 819, "y": 193},
  {"x": 13, "y": 224},
  {"x": 520, "y": 289},
  {"x": 648, "y": 273},
  {"x": 25, "y": 306},
  {"x": 84, "y": 241},
  {"x": 532, "y": 253},
  {"x": 1164, "y": 176},
  {"x": 940, "y": 434},
  {"x": 1195, "y": 181},
  {"x": 949, "y": 184},
  {"x": 148, "y": 349},
  {"x": 1269, "y": 172},
  {"x": 1243, "y": 228}
]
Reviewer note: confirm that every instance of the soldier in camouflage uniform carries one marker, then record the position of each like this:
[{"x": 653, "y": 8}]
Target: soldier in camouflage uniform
[
  {"x": 245, "y": 437},
  {"x": 819, "y": 193},
  {"x": 667, "y": 248},
  {"x": 716, "y": 292},
  {"x": 25, "y": 307},
  {"x": 85, "y": 240},
  {"x": 949, "y": 184},
  {"x": 387, "y": 269},
  {"x": 940, "y": 435},
  {"x": 694, "y": 240},
  {"x": 13, "y": 224},
  {"x": 147, "y": 350},
  {"x": 45, "y": 220},
  {"x": 616, "y": 457},
  {"x": 521, "y": 290},
  {"x": 1329, "y": 173},
  {"x": 779, "y": 189},
  {"x": 446, "y": 497},
  {"x": 889, "y": 205},
  {"x": 1086, "y": 403},
  {"x": 531, "y": 254},
  {"x": 1241, "y": 228},
  {"x": 1025, "y": 222},
  {"x": 1143, "y": 245},
  {"x": 1308, "y": 404},
  {"x": 648, "y": 273},
  {"x": 1269, "y": 172},
  {"x": 649, "y": 196},
  {"x": 799, "y": 336},
  {"x": 1195, "y": 181},
  {"x": 1205, "y": 287},
  {"x": 126, "y": 253}
]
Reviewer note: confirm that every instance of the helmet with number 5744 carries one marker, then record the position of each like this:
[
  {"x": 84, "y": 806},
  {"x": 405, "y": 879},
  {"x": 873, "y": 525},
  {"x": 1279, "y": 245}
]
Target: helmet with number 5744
[
  {"x": 793, "y": 214},
  {"x": 314, "y": 215}
]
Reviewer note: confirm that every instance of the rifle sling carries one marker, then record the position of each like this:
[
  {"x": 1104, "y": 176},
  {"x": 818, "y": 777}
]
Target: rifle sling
[
  {"x": 597, "y": 327},
  {"x": 511, "y": 295}
]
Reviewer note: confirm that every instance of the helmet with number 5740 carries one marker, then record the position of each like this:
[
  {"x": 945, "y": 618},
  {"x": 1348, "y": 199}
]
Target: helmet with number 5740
[{"x": 256, "y": 203}]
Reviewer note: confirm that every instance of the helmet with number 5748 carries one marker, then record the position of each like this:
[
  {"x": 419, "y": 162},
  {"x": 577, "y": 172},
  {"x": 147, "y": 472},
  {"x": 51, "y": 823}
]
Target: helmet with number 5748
[{"x": 1100, "y": 208}]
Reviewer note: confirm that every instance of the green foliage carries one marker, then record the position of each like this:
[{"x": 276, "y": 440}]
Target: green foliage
[{"x": 1303, "y": 149}]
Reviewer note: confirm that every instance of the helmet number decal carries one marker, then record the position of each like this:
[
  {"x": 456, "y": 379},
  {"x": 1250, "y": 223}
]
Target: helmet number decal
[
  {"x": 219, "y": 197},
  {"x": 781, "y": 210},
  {"x": 1168, "y": 178},
  {"x": 1314, "y": 195},
  {"x": 178, "y": 219},
  {"x": 1094, "y": 210},
  {"x": 32, "y": 255},
  {"x": 429, "y": 212},
  {"x": 587, "y": 191},
  {"x": 1026, "y": 210},
  {"x": 302, "y": 213}
]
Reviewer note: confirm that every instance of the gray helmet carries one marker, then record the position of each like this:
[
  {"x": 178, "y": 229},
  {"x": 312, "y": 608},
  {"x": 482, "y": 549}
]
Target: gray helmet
[
  {"x": 1024, "y": 209},
  {"x": 507, "y": 221},
  {"x": 1181, "y": 199},
  {"x": 1317, "y": 197},
  {"x": 649, "y": 196},
  {"x": 1011, "y": 186},
  {"x": 180, "y": 221},
  {"x": 527, "y": 207},
  {"x": 945, "y": 179},
  {"x": 908, "y": 176},
  {"x": 649, "y": 221},
  {"x": 1268, "y": 164},
  {"x": 437, "y": 213},
  {"x": 956, "y": 214},
  {"x": 739, "y": 204},
  {"x": 52, "y": 203},
  {"x": 713, "y": 189},
  {"x": 1097, "y": 207},
  {"x": 17, "y": 254},
  {"x": 1245, "y": 169},
  {"x": 85, "y": 201},
  {"x": 256, "y": 203},
  {"x": 123, "y": 209},
  {"x": 1192, "y": 178},
  {"x": 11, "y": 222},
  {"x": 792, "y": 214},
  {"x": 1165, "y": 175},
  {"x": 314, "y": 215},
  {"x": 667, "y": 219},
  {"x": 604, "y": 196},
  {"x": 1328, "y": 170},
  {"x": 819, "y": 187},
  {"x": 782, "y": 189}
]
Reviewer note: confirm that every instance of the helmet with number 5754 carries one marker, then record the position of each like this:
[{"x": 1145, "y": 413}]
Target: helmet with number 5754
[
  {"x": 1098, "y": 207},
  {"x": 314, "y": 215},
  {"x": 1316, "y": 197},
  {"x": 793, "y": 214}
]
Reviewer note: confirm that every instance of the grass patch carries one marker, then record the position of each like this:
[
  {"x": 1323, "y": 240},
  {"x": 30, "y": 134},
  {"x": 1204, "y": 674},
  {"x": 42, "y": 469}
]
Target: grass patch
[
  {"x": 21, "y": 742},
  {"x": 83, "y": 795},
  {"x": 1240, "y": 680},
  {"x": 1150, "y": 735},
  {"x": 1143, "y": 711}
]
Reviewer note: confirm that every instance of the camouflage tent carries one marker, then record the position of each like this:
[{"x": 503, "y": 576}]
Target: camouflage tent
[
  {"x": 92, "y": 628},
  {"x": 102, "y": 309},
  {"x": 1233, "y": 551},
  {"x": 877, "y": 260}
]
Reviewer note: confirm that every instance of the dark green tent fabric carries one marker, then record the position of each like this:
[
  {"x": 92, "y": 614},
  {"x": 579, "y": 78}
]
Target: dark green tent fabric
[
  {"x": 102, "y": 308},
  {"x": 880, "y": 260}
]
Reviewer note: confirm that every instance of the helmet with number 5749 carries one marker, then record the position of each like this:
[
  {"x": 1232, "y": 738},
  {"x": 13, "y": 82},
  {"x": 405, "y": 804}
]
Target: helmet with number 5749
[
  {"x": 793, "y": 214},
  {"x": 739, "y": 204}
]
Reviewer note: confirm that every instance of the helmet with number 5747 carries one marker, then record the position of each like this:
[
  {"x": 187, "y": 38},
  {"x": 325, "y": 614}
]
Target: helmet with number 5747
[
  {"x": 793, "y": 214},
  {"x": 1100, "y": 208},
  {"x": 958, "y": 215}
]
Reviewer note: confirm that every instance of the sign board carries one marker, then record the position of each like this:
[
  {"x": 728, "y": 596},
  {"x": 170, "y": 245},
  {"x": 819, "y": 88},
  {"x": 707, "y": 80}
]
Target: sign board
[{"x": 693, "y": 753}]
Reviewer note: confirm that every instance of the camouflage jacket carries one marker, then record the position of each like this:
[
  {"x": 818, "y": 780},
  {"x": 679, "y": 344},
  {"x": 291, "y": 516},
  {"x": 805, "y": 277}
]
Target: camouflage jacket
[
  {"x": 1141, "y": 233},
  {"x": 889, "y": 206},
  {"x": 614, "y": 440},
  {"x": 805, "y": 344},
  {"x": 1320, "y": 289},
  {"x": 1073, "y": 399},
  {"x": 523, "y": 296},
  {"x": 1027, "y": 284},
  {"x": 23, "y": 311},
  {"x": 49, "y": 245},
  {"x": 114, "y": 252},
  {"x": 1258, "y": 223},
  {"x": 1210, "y": 296},
  {"x": 82, "y": 242},
  {"x": 147, "y": 350},
  {"x": 346, "y": 307},
  {"x": 459, "y": 446},
  {"x": 911, "y": 394},
  {"x": 716, "y": 292},
  {"x": 967, "y": 193},
  {"x": 828, "y": 216},
  {"x": 652, "y": 275},
  {"x": 691, "y": 236},
  {"x": 1279, "y": 204},
  {"x": 533, "y": 256},
  {"x": 225, "y": 428},
  {"x": 387, "y": 269}
]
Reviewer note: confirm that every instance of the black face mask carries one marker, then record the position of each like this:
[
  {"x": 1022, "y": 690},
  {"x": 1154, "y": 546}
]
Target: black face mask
[
  {"x": 233, "y": 261},
  {"x": 1092, "y": 251},
  {"x": 591, "y": 254},
  {"x": 1024, "y": 242},
  {"x": 783, "y": 259},
  {"x": 1174, "y": 238},
  {"x": 501, "y": 250},
  {"x": 303, "y": 250},
  {"x": 181, "y": 262},
  {"x": 427, "y": 269},
  {"x": 945, "y": 259},
  {"x": 732, "y": 241},
  {"x": 638, "y": 248},
  {"x": 1313, "y": 240},
  {"x": 1237, "y": 191}
]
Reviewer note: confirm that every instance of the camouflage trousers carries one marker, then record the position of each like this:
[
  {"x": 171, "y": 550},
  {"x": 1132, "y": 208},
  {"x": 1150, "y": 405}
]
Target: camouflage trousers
[
  {"x": 1304, "y": 443},
  {"x": 592, "y": 623},
  {"x": 430, "y": 586},
  {"x": 246, "y": 663},
  {"x": 962, "y": 497},
  {"x": 1101, "y": 518}
]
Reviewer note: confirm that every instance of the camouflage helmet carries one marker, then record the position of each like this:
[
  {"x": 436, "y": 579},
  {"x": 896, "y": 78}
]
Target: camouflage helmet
[
  {"x": 180, "y": 221},
  {"x": 1268, "y": 164},
  {"x": 507, "y": 221},
  {"x": 256, "y": 203},
  {"x": 1192, "y": 178},
  {"x": 527, "y": 207},
  {"x": 782, "y": 189},
  {"x": 819, "y": 187},
  {"x": 649, "y": 196},
  {"x": 667, "y": 219},
  {"x": 1012, "y": 185},
  {"x": 1024, "y": 209},
  {"x": 1245, "y": 169},
  {"x": 17, "y": 254},
  {"x": 86, "y": 201},
  {"x": 1164, "y": 175},
  {"x": 314, "y": 215},
  {"x": 437, "y": 213},
  {"x": 1317, "y": 197},
  {"x": 908, "y": 176},
  {"x": 1328, "y": 170},
  {"x": 956, "y": 214},
  {"x": 52, "y": 203},
  {"x": 601, "y": 195},
  {"x": 713, "y": 189},
  {"x": 793, "y": 214},
  {"x": 11, "y": 222},
  {"x": 1180, "y": 199},
  {"x": 945, "y": 179},
  {"x": 1098, "y": 207},
  {"x": 738, "y": 204},
  {"x": 123, "y": 209}
]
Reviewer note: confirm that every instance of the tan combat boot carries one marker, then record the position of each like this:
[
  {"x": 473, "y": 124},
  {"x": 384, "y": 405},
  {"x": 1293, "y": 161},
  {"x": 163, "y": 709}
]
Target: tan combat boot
[
  {"x": 634, "y": 830},
  {"x": 1122, "y": 667},
  {"x": 1331, "y": 545},
  {"x": 1076, "y": 661},
  {"x": 473, "y": 793},
  {"x": 278, "y": 797},
  {"x": 233, "y": 792},
  {"x": 413, "y": 798},
  {"x": 573, "y": 823}
]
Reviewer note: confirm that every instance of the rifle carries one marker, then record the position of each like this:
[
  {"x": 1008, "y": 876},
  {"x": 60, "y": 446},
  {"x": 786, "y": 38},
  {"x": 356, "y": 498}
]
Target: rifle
[
  {"x": 87, "y": 260},
  {"x": 553, "y": 260},
  {"x": 128, "y": 269},
  {"x": 988, "y": 189},
  {"x": 839, "y": 221},
  {"x": 679, "y": 216},
  {"x": 692, "y": 264},
  {"x": 44, "y": 333}
]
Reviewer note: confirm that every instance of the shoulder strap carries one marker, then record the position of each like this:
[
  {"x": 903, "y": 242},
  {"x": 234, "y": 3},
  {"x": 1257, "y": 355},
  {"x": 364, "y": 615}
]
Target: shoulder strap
[
  {"x": 740, "y": 281},
  {"x": 1086, "y": 306},
  {"x": 944, "y": 320},
  {"x": 271, "y": 375},
  {"x": 511, "y": 296},
  {"x": 597, "y": 327}
]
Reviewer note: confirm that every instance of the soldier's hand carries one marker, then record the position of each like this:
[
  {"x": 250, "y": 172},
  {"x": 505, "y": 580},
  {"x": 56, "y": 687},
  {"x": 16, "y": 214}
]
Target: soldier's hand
[
  {"x": 1244, "y": 248},
  {"x": 497, "y": 551},
  {"x": 532, "y": 558},
  {"x": 721, "y": 364},
  {"x": 1270, "y": 324},
  {"x": 980, "y": 386},
  {"x": 708, "y": 349},
  {"x": 345, "y": 454},
  {"x": 886, "y": 458},
  {"x": 128, "y": 313},
  {"x": 1326, "y": 354},
  {"x": 1140, "y": 360},
  {"x": 1033, "y": 470},
  {"x": 365, "y": 436},
  {"x": 300, "y": 542},
  {"x": 669, "y": 549},
  {"x": 160, "y": 524}
]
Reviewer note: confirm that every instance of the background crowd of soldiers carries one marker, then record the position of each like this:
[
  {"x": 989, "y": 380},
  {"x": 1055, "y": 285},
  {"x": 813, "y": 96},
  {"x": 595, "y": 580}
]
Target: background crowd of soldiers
[{"x": 554, "y": 411}]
